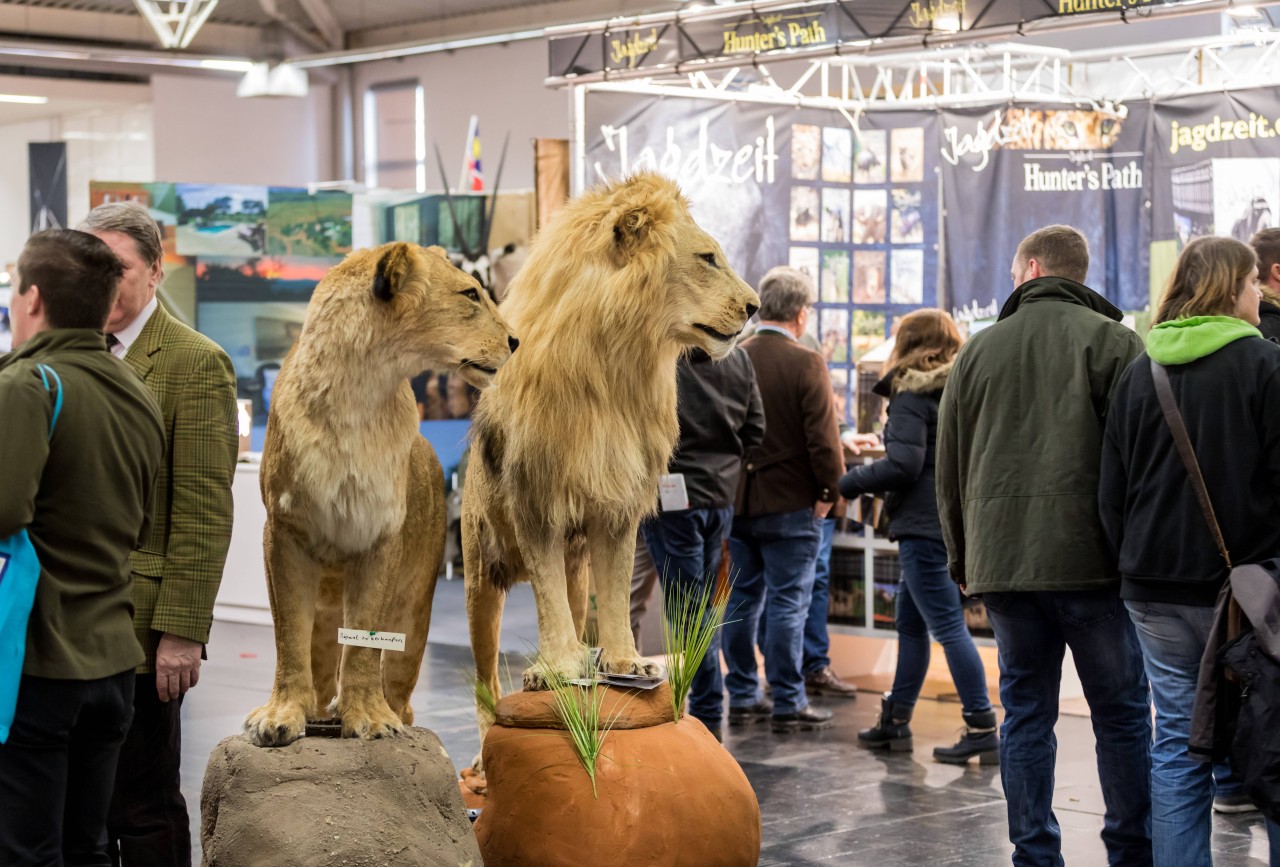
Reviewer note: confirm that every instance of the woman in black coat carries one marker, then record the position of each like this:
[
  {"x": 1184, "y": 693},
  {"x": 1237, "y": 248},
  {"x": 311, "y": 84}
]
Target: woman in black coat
[
  {"x": 1225, "y": 380},
  {"x": 928, "y": 602}
]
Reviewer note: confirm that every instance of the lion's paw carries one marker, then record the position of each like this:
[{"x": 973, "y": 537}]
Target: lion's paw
[
  {"x": 368, "y": 718},
  {"x": 631, "y": 665},
  {"x": 276, "y": 724},
  {"x": 537, "y": 679},
  {"x": 544, "y": 673}
]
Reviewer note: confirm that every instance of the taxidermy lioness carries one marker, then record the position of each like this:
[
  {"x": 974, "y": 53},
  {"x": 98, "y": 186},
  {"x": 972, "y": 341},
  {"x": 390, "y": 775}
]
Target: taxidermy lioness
[
  {"x": 354, "y": 494},
  {"x": 569, "y": 442}
]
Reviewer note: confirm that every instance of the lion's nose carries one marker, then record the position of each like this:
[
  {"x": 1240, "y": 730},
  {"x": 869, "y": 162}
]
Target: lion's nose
[
  {"x": 513, "y": 343},
  {"x": 751, "y": 310}
]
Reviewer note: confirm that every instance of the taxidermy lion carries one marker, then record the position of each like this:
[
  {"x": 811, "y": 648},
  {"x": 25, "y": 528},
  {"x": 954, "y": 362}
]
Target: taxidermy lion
[
  {"x": 354, "y": 494},
  {"x": 569, "y": 442}
]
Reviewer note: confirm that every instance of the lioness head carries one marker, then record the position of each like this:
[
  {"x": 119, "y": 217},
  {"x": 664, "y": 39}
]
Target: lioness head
[
  {"x": 704, "y": 303},
  {"x": 423, "y": 311}
]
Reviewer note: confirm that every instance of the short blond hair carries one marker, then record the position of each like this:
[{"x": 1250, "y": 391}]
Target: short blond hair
[{"x": 1062, "y": 251}]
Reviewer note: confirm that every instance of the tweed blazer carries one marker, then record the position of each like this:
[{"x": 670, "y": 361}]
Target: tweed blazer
[{"x": 178, "y": 566}]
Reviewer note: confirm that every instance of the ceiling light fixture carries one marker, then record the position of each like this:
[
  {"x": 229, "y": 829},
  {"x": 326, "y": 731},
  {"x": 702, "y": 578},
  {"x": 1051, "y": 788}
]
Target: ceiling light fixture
[
  {"x": 227, "y": 65},
  {"x": 176, "y": 22},
  {"x": 23, "y": 100}
]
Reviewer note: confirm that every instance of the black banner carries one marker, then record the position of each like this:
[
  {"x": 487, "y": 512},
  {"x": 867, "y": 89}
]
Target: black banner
[
  {"x": 804, "y": 26},
  {"x": 1216, "y": 161},
  {"x": 1009, "y": 171},
  {"x": 854, "y": 207},
  {"x": 47, "y": 167}
]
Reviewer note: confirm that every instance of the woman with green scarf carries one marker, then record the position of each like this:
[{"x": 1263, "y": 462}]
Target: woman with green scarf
[{"x": 1225, "y": 378}]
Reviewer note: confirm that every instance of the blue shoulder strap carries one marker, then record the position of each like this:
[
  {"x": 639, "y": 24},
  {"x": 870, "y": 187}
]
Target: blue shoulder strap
[{"x": 45, "y": 372}]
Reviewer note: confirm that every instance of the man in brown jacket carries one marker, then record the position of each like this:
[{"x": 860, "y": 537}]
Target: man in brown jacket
[{"x": 788, "y": 486}]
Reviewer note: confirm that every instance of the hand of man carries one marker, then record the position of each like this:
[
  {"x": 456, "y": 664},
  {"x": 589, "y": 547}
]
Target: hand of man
[
  {"x": 177, "y": 666},
  {"x": 856, "y": 442},
  {"x": 821, "y": 508}
]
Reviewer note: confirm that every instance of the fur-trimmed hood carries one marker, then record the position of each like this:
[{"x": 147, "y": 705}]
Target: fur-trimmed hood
[{"x": 916, "y": 381}]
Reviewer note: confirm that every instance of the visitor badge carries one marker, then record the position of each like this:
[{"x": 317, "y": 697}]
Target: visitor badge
[
  {"x": 672, "y": 493},
  {"x": 371, "y": 638}
]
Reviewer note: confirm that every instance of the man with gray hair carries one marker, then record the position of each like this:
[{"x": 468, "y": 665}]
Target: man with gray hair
[
  {"x": 788, "y": 486},
  {"x": 178, "y": 566}
]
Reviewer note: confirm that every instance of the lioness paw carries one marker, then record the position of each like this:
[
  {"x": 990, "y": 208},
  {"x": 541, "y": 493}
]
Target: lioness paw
[
  {"x": 369, "y": 719},
  {"x": 632, "y": 665},
  {"x": 275, "y": 724}
]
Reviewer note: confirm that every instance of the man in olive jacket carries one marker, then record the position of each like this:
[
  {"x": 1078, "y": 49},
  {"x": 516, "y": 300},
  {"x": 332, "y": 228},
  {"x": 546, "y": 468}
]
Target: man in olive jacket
[
  {"x": 1019, "y": 444},
  {"x": 77, "y": 475},
  {"x": 177, "y": 568}
]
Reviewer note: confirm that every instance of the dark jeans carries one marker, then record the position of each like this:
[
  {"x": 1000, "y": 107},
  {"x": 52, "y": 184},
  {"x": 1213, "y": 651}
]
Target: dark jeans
[
  {"x": 774, "y": 553},
  {"x": 148, "y": 823},
  {"x": 1032, "y": 631},
  {"x": 57, "y": 769},
  {"x": 817, "y": 642},
  {"x": 686, "y": 547},
  {"x": 929, "y": 603}
]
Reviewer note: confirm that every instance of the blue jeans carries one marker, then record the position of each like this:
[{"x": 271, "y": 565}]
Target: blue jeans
[
  {"x": 686, "y": 547},
  {"x": 817, "y": 643},
  {"x": 1173, "y": 638},
  {"x": 774, "y": 553},
  {"x": 1032, "y": 631},
  {"x": 929, "y": 603}
]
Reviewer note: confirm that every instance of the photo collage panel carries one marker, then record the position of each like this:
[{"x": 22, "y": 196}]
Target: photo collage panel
[{"x": 862, "y": 225}]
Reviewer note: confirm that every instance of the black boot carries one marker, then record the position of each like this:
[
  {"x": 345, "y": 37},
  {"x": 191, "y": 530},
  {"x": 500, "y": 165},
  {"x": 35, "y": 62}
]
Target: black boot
[
  {"x": 979, "y": 739},
  {"x": 891, "y": 731}
]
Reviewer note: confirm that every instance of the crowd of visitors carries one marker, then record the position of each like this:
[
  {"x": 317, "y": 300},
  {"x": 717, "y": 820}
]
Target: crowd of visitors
[
  {"x": 1038, "y": 468},
  {"x": 1095, "y": 489}
]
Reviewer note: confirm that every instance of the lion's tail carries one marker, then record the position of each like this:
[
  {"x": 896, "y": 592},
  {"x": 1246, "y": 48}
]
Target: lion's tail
[{"x": 485, "y": 600}]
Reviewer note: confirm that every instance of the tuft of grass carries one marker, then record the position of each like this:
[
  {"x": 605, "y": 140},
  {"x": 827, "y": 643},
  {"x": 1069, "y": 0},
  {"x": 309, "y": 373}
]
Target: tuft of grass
[
  {"x": 485, "y": 697},
  {"x": 580, "y": 709},
  {"x": 692, "y": 616}
]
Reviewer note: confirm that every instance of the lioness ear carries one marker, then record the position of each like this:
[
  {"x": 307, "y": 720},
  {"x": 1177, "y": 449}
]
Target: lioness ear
[
  {"x": 630, "y": 233},
  {"x": 393, "y": 268}
]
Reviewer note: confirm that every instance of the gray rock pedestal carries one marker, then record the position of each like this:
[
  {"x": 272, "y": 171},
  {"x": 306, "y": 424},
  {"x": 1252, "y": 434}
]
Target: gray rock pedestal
[{"x": 328, "y": 802}]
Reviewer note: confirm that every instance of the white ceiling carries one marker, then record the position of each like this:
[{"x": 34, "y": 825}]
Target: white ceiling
[{"x": 355, "y": 16}]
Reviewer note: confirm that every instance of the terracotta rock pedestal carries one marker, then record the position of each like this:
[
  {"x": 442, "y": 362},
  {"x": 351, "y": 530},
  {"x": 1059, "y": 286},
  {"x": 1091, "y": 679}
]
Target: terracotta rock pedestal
[
  {"x": 327, "y": 802},
  {"x": 669, "y": 794}
]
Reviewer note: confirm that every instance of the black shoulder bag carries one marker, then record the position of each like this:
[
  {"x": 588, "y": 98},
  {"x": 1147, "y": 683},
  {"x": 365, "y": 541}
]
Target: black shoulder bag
[{"x": 1237, "y": 705}]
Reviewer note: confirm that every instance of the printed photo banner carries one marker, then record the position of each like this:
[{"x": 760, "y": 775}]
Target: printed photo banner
[
  {"x": 1010, "y": 170},
  {"x": 803, "y": 26},
  {"x": 1215, "y": 170}
]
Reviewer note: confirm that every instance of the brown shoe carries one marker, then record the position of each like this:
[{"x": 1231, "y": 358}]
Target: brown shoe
[{"x": 827, "y": 682}]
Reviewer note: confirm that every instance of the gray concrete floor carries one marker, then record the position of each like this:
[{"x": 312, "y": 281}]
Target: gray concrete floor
[{"x": 824, "y": 801}]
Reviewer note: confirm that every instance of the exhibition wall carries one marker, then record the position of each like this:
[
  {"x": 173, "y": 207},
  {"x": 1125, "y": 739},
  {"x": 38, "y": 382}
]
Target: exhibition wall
[
  {"x": 501, "y": 84},
  {"x": 204, "y": 133}
]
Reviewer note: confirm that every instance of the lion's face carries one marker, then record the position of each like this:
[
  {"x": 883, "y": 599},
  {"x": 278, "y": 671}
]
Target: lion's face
[
  {"x": 435, "y": 316},
  {"x": 708, "y": 303}
]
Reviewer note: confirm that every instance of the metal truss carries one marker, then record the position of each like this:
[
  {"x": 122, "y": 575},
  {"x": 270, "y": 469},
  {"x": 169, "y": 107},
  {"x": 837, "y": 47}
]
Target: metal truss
[{"x": 981, "y": 74}]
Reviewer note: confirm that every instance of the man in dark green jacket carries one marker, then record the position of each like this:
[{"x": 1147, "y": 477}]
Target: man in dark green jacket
[
  {"x": 81, "y": 489},
  {"x": 1019, "y": 444}
]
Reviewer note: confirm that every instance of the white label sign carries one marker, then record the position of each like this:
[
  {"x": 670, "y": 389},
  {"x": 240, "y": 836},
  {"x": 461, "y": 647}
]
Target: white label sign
[
  {"x": 672, "y": 493},
  {"x": 371, "y": 638}
]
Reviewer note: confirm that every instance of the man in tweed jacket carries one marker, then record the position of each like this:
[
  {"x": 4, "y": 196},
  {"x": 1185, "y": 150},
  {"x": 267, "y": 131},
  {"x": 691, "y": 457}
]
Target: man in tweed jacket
[{"x": 178, "y": 567}]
